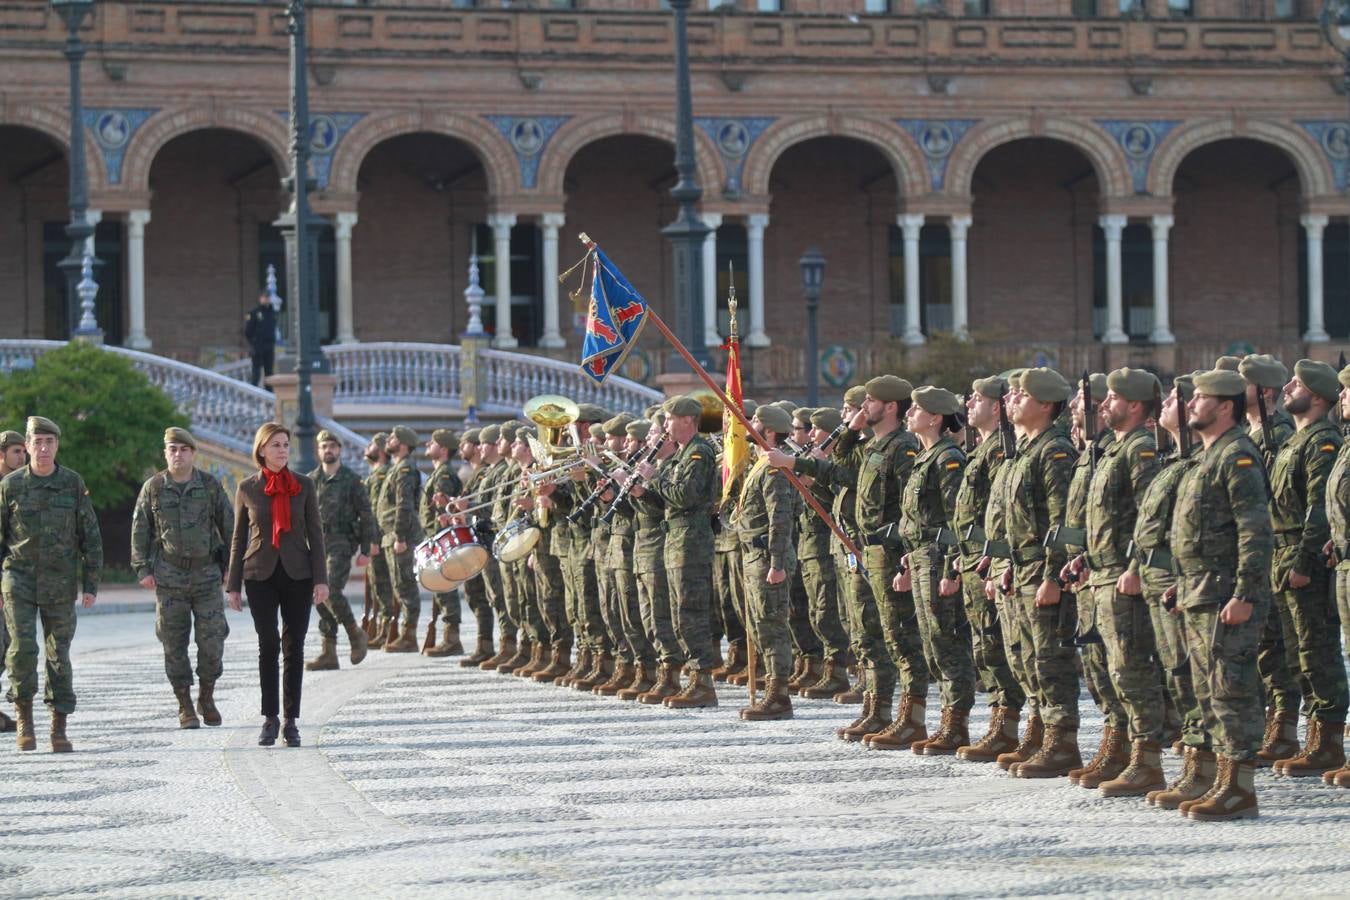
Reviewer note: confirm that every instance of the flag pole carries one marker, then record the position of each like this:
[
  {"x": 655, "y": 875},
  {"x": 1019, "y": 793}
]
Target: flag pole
[{"x": 733, "y": 348}]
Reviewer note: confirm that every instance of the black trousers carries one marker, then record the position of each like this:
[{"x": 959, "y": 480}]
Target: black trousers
[
  {"x": 262, "y": 365},
  {"x": 294, "y": 600}
]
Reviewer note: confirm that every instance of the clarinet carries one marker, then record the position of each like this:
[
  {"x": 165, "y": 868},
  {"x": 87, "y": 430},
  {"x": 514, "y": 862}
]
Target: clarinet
[
  {"x": 632, "y": 482},
  {"x": 833, "y": 435},
  {"x": 605, "y": 484}
]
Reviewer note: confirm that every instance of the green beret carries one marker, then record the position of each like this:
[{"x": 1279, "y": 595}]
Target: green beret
[
  {"x": 1319, "y": 378},
  {"x": 937, "y": 401},
  {"x": 1045, "y": 385},
  {"x": 992, "y": 387},
  {"x": 749, "y": 407},
  {"x": 1220, "y": 383},
  {"x": 826, "y": 418},
  {"x": 470, "y": 437},
  {"x": 1014, "y": 378},
  {"x": 658, "y": 417},
  {"x": 1186, "y": 385},
  {"x": 1097, "y": 384},
  {"x": 654, "y": 408},
  {"x": 1135, "y": 385},
  {"x": 10, "y": 439},
  {"x": 683, "y": 406},
  {"x": 1262, "y": 370},
  {"x": 638, "y": 428},
  {"x": 618, "y": 425},
  {"x": 380, "y": 437},
  {"x": 889, "y": 389},
  {"x": 855, "y": 395},
  {"x": 1343, "y": 377},
  {"x": 525, "y": 432},
  {"x": 445, "y": 437},
  {"x": 596, "y": 430},
  {"x": 508, "y": 430},
  {"x": 589, "y": 412},
  {"x": 490, "y": 434},
  {"x": 175, "y": 435},
  {"x": 774, "y": 418},
  {"x": 786, "y": 406},
  {"x": 40, "y": 425},
  {"x": 405, "y": 435},
  {"x": 802, "y": 416},
  {"x": 1227, "y": 363}
]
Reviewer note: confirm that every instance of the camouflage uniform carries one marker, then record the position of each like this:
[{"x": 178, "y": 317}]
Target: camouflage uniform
[
  {"x": 1338, "y": 516},
  {"x": 377, "y": 573},
  {"x": 817, "y": 569},
  {"x": 178, "y": 535},
  {"x": 483, "y": 591},
  {"x": 554, "y": 560},
  {"x": 620, "y": 561},
  {"x": 765, "y": 516},
  {"x": 1021, "y": 658},
  {"x": 649, "y": 566},
  {"x": 443, "y": 480},
  {"x": 688, "y": 486},
  {"x": 397, "y": 515},
  {"x": 728, "y": 587},
  {"x": 348, "y": 528},
  {"x": 488, "y": 478},
  {"x": 52, "y": 551},
  {"x": 1283, "y": 691},
  {"x": 517, "y": 580}
]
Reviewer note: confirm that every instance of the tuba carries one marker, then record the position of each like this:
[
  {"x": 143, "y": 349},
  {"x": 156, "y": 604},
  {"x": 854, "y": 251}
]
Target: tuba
[{"x": 552, "y": 413}]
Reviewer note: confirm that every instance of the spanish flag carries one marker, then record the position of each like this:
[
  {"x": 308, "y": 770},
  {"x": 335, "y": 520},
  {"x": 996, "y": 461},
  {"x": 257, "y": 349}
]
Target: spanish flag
[{"x": 735, "y": 446}]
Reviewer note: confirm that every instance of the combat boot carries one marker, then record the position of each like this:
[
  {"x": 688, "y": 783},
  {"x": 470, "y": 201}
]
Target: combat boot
[
  {"x": 644, "y": 679},
  {"x": 699, "y": 692},
  {"x": 735, "y": 662},
  {"x": 6, "y": 723},
  {"x": 907, "y": 728},
  {"x": 482, "y": 652},
  {"x": 579, "y": 668},
  {"x": 813, "y": 669},
  {"x": 1342, "y": 778},
  {"x": 851, "y": 695},
  {"x": 1031, "y": 742},
  {"x": 999, "y": 739},
  {"x": 562, "y": 660},
  {"x": 1325, "y": 751},
  {"x": 1281, "y": 738},
  {"x": 375, "y": 639},
  {"x": 358, "y": 641},
  {"x": 1235, "y": 797},
  {"x": 876, "y": 717},
  {"x": 742, "y": 677},
  {"x": 1142, "y": 775},
  {"x": 954, "y": 734},
  {"x": 539, "y": 657},
  {"x": 622, "y": 677},
  {"x": 524, "y": 650},
  {"x": 390, "y": 633},
  {"x": 601, "y": 671},
  {"x": 1197, "y": 778},
  {"x": 449, "y": 644},
  {"x": 715, "y": 660},
  {"x": 506, "y": 652},
  {"x": 406, "y": 642},
  {"x": 206, "y": 703},
  {"x": 23, "y": 725},
  {"x": 917, "y": 747},
  {"x": 1115, "y": 761},
  {"x": 833, "y": 680},
  {"x": 1058, "y": 754},
  {"x": 774, "y": 703},
  {"x": 60, "y": 743},
  {"x": 327, "y": 660},
  {"x": 667, "y": 685},
  {"x": 187, "y": 716}
]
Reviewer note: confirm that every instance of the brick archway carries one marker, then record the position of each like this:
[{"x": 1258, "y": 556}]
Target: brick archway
[
  {"x": 575, "y": 135},
  {"x": 268, "y": 129},
  {"x": 1314, "y": 173},
  {"x": 1106, "y": 156},
  {"x": 55, "y": 124},
  {"x": 893, "y": 142},
  {"x": 492, "y": 150}
]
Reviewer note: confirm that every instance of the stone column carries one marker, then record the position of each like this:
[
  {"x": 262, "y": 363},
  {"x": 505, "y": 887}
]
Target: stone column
[
  {"x": 754, "y": 232},
  {"x": 1162, "y": 326},
  {"x": 552, "y": 337},
  {"x": 1114, "y": 227},
  {"x": 136, "y": 222},
  {"x": 1317, "y": 330},
  {"x": 912, "y": 223},
  {"x": 959, "y": 226},
  {"x": 502, "y": 224},
  {"x": 711, "y": 337},
  {"x": 342, "y": 234}
]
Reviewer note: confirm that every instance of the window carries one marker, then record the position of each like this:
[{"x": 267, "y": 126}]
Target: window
[
  {"x": 1136, "y": 281},
  {"x": 717, "y": 4},
  {"x": 769, "y": 5},
  {"x": 1180, "y": 9},
  {"x": 929, "y": 7},
  {"x": 978, "y": 9},
  {"x": 1286, "y": 9},
  {"x": 733, "y": 268},
  {"x": 60, "y": 319},
  {"x": 272, "y": 250},
  {"x": 1335, "y": 280},
  {"x": 876, "y": 7},
  {"x": 1132, "y": 7},
  {"x": 527, "y": 308}
]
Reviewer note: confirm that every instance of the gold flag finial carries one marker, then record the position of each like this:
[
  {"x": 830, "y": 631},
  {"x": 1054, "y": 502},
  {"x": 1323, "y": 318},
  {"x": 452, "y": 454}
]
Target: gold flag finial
[{"x": 731, "y": 300}]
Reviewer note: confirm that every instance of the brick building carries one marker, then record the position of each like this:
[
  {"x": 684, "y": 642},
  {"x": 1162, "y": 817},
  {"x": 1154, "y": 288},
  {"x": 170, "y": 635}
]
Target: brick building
[{"x": 1143, "y": 180}]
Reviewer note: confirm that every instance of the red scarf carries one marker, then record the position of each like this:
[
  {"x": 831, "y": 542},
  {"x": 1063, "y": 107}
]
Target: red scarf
[{"x": 281, "y": 487}]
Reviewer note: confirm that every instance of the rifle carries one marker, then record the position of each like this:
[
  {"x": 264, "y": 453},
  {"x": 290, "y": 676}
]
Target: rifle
[
  {"x": 430, "y": 640},
  {"x": 968, "y": 441},
  {"x": 1005, "y": 432},
  {"x": 1183, "y": 432},
  {"x": 1161, "y": 439},
  {"x": 366, "y": 624},
  {"x": 1267, "y": 429},
  {"x": 1089, "y": 425}
]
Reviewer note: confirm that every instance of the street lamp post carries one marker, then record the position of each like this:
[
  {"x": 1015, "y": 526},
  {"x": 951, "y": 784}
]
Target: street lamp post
[
  {"x": 73, "y": 13},
  {"x": 813, "y": 277},
  {"x": 687, "y": 232}
]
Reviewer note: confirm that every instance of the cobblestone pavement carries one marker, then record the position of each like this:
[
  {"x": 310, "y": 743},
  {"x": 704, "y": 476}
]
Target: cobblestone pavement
[{"x": 421, "y": 778}]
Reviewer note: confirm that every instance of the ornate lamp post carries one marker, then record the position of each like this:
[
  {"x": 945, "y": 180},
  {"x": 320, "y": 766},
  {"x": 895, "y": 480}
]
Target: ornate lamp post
[
  {"x": 73, "y": 13},
  {"x": 813, "y": 277}
]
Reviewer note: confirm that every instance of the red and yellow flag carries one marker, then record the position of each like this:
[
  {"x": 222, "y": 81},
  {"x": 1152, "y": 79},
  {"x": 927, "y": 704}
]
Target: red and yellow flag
[{"x": 735, "y": 445}]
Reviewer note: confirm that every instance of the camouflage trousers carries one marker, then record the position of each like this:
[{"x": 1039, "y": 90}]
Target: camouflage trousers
[
  {"x": 4, "y": 637},
  {"x": 1312, "y": 641},
  {"x": 899, "y": 624},
  {"x": 1169, "y": 636},
  {"x": 447, "y": 607},
  {"x": 582, "y": 598},
  {"x": 188, "y": 602},
  {"x": 805, "y": 641},
  {"x": 691, "y": 601},
  {"x": 403, "y": 575},
  {"x": 1131, "y": 658},
  {"x": 491, "y": 579},
  {"x": 337, "y": 611},
  {"x": 1227, "y": 681},
  {"x": 728, "y": 594},
  {"x": 987, "y": 648},
  {"x": 1343, "y": 603},
  {"x": 475, "y": 593},
  {"x": 864, "y": 627},
  {"x": 638, "y": 644},
  {"x": 381, "y": 585},
  {"x": 1049, "y": 668},
  {"x": 1096, "y": 667},
  {"x": 822, "y": 593},
  {"x": 1282, "y": 690},
  {"x": 611, "y": 604},
  {"x": 658, "y": 619},
  {"x": 1020, "y": 662},
  {"x": 22, "y": 616},
  {"x": 551, "y": 598},
  {"x": 768, "y": 613},
  {"x": 518, "y": 582},
  {"x": 944, "y": 631}
]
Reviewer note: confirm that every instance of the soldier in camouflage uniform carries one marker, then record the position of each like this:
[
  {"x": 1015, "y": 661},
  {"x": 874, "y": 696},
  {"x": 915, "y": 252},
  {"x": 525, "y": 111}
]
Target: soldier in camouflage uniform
[
  {"x": 654, "y": 595},
  {"x": 443, "y": 482},
  {"x": 378, "y": 582},
  {"x": 348, "y": 529},
  {"x": 1337, "y": 549},
  {"x": 728, "y": 589},
  {"x": 1222, "y": 542},
  {"x": 13, "y": 457},
  {"x": 613, "y": 565},
  {"x": 492, "y": 465},
  {"x": 1299, "y": 576},
  {"x": 476, "y": 591},
  {"x": 517, "y": 579},
  {"x": 401, "y": 530},
  {"x": 178, "y": 547},
  {"x": 52, "y": 552},
  {"x": 584, "y": 594}
]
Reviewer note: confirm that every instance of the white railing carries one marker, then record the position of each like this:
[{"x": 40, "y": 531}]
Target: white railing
[
  {"x": 513, "y": 378},
  {"x": 222, "y": 410}
]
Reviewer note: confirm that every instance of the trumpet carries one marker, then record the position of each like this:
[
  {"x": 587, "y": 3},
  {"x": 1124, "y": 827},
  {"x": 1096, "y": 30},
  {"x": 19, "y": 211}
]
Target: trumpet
[{"x": 556, "y": 473}]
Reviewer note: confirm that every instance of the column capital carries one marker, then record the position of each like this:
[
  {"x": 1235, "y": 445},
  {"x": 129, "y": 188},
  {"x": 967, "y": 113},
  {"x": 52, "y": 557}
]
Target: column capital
[
  {"x": 94, "y": 216},
  {"x": 501, "y": 221},
  {"x": 554, "y": 220},
  {"x": 1314, "y": 223},
  {"x": 1161, "y": 225},
  {"x": 1113, "y": 224},
  {"x": 714, "y": 219},
  {"x": 757, "y": 221},
  {"x": 138, "y": 218},
  {"x": 958, "y": 226},
  {"x": 343, "y": 223},
  {"x": 911, "y": 223}
]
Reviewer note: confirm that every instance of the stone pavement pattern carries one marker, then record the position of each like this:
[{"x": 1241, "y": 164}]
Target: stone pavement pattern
[{"x": 421, "y": 778}]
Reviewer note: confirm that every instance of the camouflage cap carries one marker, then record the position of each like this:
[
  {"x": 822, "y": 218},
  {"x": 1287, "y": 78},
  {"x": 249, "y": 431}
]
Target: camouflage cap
[
  {"x": 1097, "y": 383},
  {"x": 826, "y": 418},
  {"x": 1262, "y": 370},
  {"x": 1186, "y": 385},
  {"x": 1227, "y": 363},
  {"x": 596, "y": 431},
  {"x": 10, "y": 439},
  {"x": 470, "y": 437},
  {"x": 774, "y": 418},
  {"x": 1134, "y": 385},
  {"x": 1045, "y": 385},
  {"x": 618, "y": 425},
  {"x": 992, "y": 387},
  {"x": 508, "y": 430},
  {"x": 490, "y": 434},
  {"x": 855, "y": 395},
  {"x": 638, "y": 428},
  {"x": 935, "y": 400},
  {"x": 379, "y": 437},
  {"x": 40, "y": 425},
  {"x": 1219, "y": 383},
  {"x": 1318, "y": 377},
  {"x": 889, "y": 389},
  {"x": 683, "y": 406},
  {"x": 1343, "y": 377},
  {"x": 405, "y": 435},
  {"x": 589, "y": 412},
  {"x": 176, "y": 435},
  {"x": 446, "y": 438}
]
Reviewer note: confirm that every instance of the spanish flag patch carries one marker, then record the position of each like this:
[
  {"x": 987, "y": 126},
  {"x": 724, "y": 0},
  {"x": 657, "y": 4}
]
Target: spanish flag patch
[
  {"x": 911, "y": 453},
  {"x": 1327, "y": 448},
  {"x": 953, "y": 465},
  {"x": 1147, "y": 454},
  {"x": 695, "y": 455},
  {"x": 1061, "y": 455},
  {"x": 1244, "y": 461}
]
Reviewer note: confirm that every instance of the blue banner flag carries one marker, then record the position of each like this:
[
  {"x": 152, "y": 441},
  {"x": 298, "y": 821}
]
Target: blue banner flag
[{"x": 615, "y": 319}]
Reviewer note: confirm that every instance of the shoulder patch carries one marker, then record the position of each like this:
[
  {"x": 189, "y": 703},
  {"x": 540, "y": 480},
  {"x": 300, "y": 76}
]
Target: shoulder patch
[
  {"x": 911, "y": 453},
  {"x": 953, "y": 465},
  {"x": 696, "y": 455},
  {"x": 1147, "y": 454},
  {"x": 1060, "y": 454},
  {"x": 1244, "y": 461},
  {"x": 1328, "y": 448}
]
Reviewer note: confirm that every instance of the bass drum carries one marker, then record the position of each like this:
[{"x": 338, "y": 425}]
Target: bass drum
[
  {"x": 427, "y": 559},
  {"x": 466, "y": 555},
  {"x": 516, "y": 540}
]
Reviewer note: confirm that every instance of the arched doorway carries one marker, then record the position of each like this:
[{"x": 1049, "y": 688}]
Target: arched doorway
[{"x": 33, "y": 182}]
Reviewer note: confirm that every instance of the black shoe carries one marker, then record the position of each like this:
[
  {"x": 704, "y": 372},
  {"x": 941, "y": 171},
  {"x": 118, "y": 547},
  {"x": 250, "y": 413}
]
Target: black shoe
[
  {"x": 268, "y": 737},
  {"x": 290, "y": 734}
]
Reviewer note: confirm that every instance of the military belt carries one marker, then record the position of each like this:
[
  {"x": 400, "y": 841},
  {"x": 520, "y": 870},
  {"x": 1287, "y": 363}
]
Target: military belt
[
  {"x": 1159, "y": 558},
  {"x": 1023, "y": 555},
  {"x": 996, "y": 550},
  {"x": 1061, "y": 536},
  {"x": 1288, "y": 538},
  {"x": 1104, "y": 562},
  {"x": 188, "y": 563},
  {"x": 759, "y": 542},
  {"x": 873, "y": 540}
]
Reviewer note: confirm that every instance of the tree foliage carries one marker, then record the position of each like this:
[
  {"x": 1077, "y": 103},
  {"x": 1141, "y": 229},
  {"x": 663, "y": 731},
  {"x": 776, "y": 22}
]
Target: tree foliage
[{"x": 112, "y": 418}]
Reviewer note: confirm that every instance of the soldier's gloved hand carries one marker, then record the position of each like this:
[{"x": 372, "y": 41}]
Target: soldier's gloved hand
[
  {"x": 235, "y": 603},
  {"x": 1130, "y": 583},
  {"x": 148, "y": 582},
  {"x": 1298, "y": 580},
  {"x": 775, "y": 576},
  {"x": 320, "y": 594},
  {"x": 88, "y": 600}
]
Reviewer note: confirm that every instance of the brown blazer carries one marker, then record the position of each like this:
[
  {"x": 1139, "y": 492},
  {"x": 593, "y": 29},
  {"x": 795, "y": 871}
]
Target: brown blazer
[{"x": 252, "y": 556}]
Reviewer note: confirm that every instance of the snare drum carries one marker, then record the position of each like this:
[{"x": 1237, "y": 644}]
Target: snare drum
[
  {"x": 516, "y": 540},
  {"x": 427, "y": 559},
  {"x": 465, "y": 555}
]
